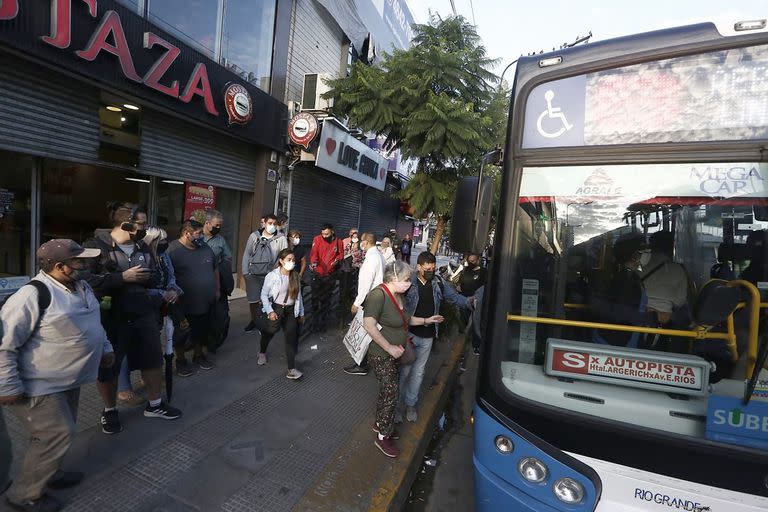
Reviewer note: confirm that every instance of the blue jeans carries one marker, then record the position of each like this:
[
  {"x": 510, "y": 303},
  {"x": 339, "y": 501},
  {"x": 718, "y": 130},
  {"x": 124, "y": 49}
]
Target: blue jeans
[
  {"x": 124, "y": 379},
  {"x": 411, "y": 375}
]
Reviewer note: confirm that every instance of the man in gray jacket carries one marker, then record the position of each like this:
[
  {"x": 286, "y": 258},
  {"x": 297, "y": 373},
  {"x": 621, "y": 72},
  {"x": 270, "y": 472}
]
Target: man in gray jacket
[{"x": 52, "y": 344}]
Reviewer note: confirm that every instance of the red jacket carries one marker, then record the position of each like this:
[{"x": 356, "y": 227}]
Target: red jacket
[{"x": 326, "y": 255}]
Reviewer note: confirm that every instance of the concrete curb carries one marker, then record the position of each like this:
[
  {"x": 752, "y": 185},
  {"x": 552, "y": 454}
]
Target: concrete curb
[{"x": 359, "y": 478}]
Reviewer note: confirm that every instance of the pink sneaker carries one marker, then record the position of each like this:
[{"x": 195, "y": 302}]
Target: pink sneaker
[{"x": 387, "y": 446}]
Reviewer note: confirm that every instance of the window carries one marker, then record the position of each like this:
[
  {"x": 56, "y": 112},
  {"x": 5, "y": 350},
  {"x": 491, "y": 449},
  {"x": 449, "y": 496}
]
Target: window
[
  {"x": 15, "y": 215},
  {"x": 170, "y": 206},
  {"x": 196, "y": 22},
  {"x": 75, "y": 197},
  {"x": 247, "y": 43}
]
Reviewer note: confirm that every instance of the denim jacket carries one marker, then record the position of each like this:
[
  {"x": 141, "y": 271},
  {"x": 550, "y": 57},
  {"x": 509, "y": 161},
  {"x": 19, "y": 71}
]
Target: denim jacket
[{"x": 438, "y": 285}]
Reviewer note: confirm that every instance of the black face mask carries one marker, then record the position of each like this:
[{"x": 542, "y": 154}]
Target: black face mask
[
  {"x": 328, "y": 238},
  {"x": 429, "y": 275},
  {"x": 139, "y": 235},
  {"x": 215, "y": 230}
]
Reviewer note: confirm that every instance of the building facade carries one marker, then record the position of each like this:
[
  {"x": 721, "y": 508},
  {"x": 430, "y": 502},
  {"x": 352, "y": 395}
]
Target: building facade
[{"x": 161, "y": 102}]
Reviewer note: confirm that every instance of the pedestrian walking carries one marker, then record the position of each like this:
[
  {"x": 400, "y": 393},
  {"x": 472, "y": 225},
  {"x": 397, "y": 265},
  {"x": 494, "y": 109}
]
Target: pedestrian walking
[
  {"x": 197, "y": 274},
  {"x": 424, "y": 299},
  {"x": 471, "y": 277},
  {"x": 386, "y": 250},
  {"x": 52, "y": 343},
  {"x": 371, "y": 275},
  {"x": 300, "y": 252},
  {"x": 259, "y": 258},
  {"x": 405, "y": 248},
  {"x": 386, "y": 321},
  {"x": 325, "y": 257},
  {"x": 283, "y": 306},
  {"x": 350, "y": 269},
  {"x": 214, "y": 221},
  {"x": 123, "y": 276}
]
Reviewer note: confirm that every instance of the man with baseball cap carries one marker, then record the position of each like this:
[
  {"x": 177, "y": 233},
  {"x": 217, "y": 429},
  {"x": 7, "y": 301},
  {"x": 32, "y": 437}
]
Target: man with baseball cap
[{"x": 52, "y": 343}]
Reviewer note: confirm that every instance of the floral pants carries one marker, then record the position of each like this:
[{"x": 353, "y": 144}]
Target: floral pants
[{"x": 387, "y": 373}]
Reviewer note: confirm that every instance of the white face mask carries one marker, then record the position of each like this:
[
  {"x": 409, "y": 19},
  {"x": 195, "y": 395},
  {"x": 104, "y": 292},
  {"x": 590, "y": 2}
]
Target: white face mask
[
  {"x": 354, "y": 240},
  {"x": 296, "y": 241},
  {"x": 271, "y": 228},
  {"x": 289, "y": 265},
  {"x": 402, "y": 286},
  {"x": 645, "y": 258}
]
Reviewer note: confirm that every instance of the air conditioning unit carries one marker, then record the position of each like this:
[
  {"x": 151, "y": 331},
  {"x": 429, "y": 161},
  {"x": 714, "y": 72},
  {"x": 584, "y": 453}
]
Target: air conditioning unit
[{"x": 314, "y": 88}]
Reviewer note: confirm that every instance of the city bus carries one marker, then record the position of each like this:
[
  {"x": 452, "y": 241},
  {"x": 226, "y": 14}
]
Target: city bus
[{"x": 599, "y": 390}]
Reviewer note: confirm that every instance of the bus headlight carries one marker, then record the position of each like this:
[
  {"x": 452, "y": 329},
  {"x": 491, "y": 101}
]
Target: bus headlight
[
  {"x": 568, "y": 490},
  {"x": 504, "y": 444},
  {"x": 533, "y": 470}
]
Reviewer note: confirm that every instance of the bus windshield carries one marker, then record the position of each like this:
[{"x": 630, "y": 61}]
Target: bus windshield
[{"x": 638, "y": 288}]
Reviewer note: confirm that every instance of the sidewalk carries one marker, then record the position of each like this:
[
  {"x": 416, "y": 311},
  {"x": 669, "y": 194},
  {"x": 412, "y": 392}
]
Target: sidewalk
[{"x": 249, "y": 439}]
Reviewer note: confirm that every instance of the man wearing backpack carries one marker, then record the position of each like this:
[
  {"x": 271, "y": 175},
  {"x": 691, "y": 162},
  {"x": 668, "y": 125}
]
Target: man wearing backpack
[
  {"x": 259, "y": 259},
  {"x": 52, "y": 343}
]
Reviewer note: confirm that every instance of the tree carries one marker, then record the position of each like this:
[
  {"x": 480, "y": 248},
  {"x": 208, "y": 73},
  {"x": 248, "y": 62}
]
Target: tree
[{"x": 436, "y": 102}]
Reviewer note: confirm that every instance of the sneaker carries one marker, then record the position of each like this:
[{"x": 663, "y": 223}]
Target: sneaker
[
  {"x": 356, "y": 370},
  {"x": 394, "y": 435},
  {"x": 203, "y": 362},
  {"x": 251, "y": 326},
  {"x": 110, "y": 422},
  {"x": 262, "y": 360},
  {"x": 65, "y": 479},
  {"x": 411, "y": 414},
  {"x": 398, "y": 415},
  {"x": 476, "y": 351},
  {"x": 294, "y": 374},
  {"x": 387, "y": 446},
  {"x": 163, "y": 411},
  {"x": 183, "y": 368},
  {"x": 44, "y": 503}
]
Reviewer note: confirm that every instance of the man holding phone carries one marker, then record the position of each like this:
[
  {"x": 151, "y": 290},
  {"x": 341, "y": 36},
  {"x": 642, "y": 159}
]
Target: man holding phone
[{"x": 121, "y": 278}]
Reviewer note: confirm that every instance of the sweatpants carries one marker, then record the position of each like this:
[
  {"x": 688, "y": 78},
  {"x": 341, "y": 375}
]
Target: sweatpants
[
  {"x": 50, "y": 422},
  {"x": 290, "y": 326}
]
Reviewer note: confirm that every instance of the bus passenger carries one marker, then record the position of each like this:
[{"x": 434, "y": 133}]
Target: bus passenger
[
  {"x": 757, "y": 270},
  {"x": 621, "y": 298}
]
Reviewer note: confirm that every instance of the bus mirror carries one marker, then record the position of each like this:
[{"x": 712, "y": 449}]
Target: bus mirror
[
  {"x": 715, "y": 302},
  {"x": 471, "y": 220}
]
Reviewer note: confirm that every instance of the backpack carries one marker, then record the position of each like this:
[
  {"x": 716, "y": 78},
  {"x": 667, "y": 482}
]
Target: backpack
[
  {"x": 262, "y": 261},
  {"x": 43, "y": 298}
]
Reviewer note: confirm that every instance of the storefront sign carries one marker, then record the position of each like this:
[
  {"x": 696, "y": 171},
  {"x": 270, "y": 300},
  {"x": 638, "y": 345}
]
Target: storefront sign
[
  {"x": 676, "y": 373},
  {"x": 730, "y": 421},
  {"x": 198, "y": 197},
  {"x": 341, "y": 153},
  {"x": 110, "y": 43},
  {"x": 302, "y": 129}
]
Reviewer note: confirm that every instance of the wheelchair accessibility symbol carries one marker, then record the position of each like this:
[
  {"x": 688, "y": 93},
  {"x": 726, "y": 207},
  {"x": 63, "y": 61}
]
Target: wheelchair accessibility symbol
[{"x": 552, "y": 113}]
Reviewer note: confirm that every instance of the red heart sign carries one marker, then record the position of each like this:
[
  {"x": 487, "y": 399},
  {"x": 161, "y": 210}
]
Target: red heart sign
[
  {"x": 330, "y": 146},
  {"x": 382, "y": 173}
]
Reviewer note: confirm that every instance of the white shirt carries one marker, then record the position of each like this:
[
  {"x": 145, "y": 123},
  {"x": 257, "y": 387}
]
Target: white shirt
[
  {"x": 666, "y": 284},
  {"x": 371, "y": 274}
]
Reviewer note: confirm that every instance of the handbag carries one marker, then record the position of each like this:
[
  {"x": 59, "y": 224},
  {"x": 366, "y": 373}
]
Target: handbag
[
  {"x": 409, "y": 354},
  {"x": 265, "y": 325}
]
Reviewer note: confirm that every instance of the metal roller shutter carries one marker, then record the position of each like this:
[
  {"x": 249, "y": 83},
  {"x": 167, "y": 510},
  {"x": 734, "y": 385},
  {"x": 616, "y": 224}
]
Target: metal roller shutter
[
  {"x": 45, "y": 113},
  {"x": 380, "y": 211},
  {"x": 172, "y": 148},
  {"x": 318, "y": 196}
]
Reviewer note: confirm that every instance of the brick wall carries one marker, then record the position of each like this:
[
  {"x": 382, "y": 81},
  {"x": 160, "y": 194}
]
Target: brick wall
[{"x": 315, "y": 45}]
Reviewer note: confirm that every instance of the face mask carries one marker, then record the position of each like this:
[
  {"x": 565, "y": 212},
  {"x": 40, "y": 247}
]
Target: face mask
[
  {"x": 289, "y": 265},
  {"x": 198, "y": 242},
  {"x": 466, "y": 263},
  {"x": 79, "y": 274},
  {"x": 402, "y": 286},
  {"x": 215, "y": 230},
  {"x": 271, "y": 229},
  {"x": 139, "y": 235},
  {"x": 428, "y": 275},
  {"x": 296, "y": 241},
  {"x": 328, "y": 238},
  {"x": 645, "y": 258}
]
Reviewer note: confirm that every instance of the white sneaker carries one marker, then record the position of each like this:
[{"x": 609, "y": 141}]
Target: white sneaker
[
  {"x": 262, "y": 360},
  {"x": 294, "y": 374},
  {"x": 411, "y": 414}
]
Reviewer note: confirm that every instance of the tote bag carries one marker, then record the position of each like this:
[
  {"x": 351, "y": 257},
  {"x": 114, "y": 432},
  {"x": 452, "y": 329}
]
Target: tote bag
[{"x": 357, "y": 338}]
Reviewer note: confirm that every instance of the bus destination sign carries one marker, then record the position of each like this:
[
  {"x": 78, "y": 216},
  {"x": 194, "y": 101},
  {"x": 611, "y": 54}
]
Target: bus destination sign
[{"x": 676, "y": 373}]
